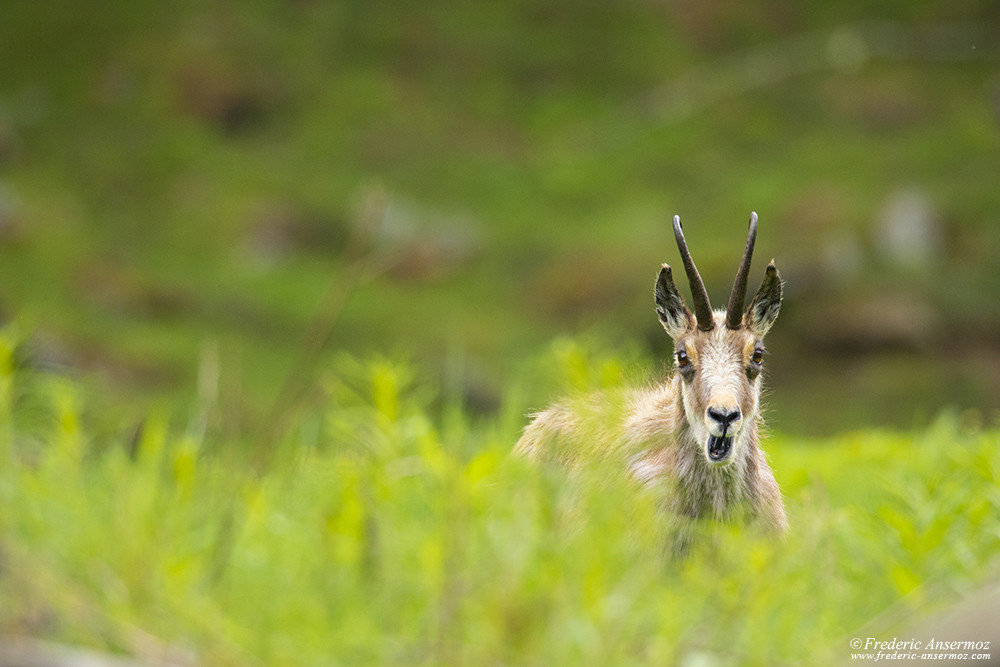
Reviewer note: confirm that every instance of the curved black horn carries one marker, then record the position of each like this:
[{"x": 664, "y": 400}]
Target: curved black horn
[
  {"x": 734, "y": 313},
  {"x": 699, "y": 295}
]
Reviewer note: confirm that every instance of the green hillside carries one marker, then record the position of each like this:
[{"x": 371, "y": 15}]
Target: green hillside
[{"x": 179, "y": 181}]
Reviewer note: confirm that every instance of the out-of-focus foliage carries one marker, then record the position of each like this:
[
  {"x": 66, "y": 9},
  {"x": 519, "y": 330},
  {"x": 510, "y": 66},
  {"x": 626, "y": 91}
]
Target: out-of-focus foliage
[
  {"x": 225, "y": 223},
  {"x": 380, "y": 533},
  {"x": 169, "y": 177}
]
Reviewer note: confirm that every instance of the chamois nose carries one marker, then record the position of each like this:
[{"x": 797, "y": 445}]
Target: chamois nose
[{"x": 724, "y": 415}]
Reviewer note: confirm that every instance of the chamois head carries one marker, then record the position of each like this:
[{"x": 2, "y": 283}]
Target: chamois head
[{"x": 719, "y": 354}]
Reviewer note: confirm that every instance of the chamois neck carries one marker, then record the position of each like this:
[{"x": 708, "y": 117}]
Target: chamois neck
[{"x": 704, "y": 489}]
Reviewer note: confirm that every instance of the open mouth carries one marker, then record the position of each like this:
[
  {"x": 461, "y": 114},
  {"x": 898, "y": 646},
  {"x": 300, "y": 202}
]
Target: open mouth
[{"x": 719, "y": 447}]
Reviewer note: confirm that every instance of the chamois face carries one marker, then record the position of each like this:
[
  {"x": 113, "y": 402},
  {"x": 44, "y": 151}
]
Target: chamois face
[
  {"x": 720, "y": 386},
  {"x": 719, "y": 355}
]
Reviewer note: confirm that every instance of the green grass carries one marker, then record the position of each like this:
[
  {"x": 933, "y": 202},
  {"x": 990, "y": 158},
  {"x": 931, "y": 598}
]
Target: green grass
[{"x": 389, "y": 527}]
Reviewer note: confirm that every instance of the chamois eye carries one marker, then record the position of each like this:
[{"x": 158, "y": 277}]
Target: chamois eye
[
  {"x": 682, "y": 358},
  {"x": 758, "y": 356}
]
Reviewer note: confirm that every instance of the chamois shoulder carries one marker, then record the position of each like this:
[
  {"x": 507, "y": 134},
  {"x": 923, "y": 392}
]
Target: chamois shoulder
[
  {"x": 555, "y": 421},
  {"x": 577, "y": 427},
  {"x": 653, "y": 414}
]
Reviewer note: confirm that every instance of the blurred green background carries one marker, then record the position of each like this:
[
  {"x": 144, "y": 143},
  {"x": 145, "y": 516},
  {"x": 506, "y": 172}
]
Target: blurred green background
[
  {"x": 180, "y": 187},
  {"x": 307, "y": 264}
]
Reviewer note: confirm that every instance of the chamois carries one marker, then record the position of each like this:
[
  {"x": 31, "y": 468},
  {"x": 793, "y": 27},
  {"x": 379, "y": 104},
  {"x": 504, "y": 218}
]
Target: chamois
[{"x": 698, "y": 431}]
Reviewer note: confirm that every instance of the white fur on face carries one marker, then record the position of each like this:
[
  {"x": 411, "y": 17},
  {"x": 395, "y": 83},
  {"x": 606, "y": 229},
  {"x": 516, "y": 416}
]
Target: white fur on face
[{"x": 720, "y": 376}]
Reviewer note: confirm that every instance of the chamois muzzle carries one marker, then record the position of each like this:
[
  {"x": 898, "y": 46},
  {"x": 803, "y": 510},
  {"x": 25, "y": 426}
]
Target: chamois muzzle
[
  {"x": 724, "y": 417},
  {"x": 721, "y": 417}
]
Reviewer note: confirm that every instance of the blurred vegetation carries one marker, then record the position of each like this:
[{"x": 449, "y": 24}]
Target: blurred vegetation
[
  {"x": 183, "y": 180},
  {"x": 380, "y": 533},
  {"x": 282, "y": 279}
]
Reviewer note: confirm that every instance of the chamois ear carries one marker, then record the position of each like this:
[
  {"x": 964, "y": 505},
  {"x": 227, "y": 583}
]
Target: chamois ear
[
  {"x": 763, "y": 310},
  {"x": 674, "y": 315}
]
